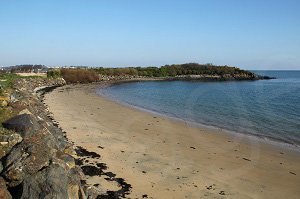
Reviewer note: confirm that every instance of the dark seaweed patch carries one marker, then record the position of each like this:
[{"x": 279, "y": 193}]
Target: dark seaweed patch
[
  {"x": 79, "y": 161},
  {"x": 110, "y": 174},
  {"x": 91, "y": 170},
  {"x": 125, "y": 189},
  {"x": 98, "y": 170},
  {"x": 83, "y": 152},
  {"x": 102, "y": 166}
]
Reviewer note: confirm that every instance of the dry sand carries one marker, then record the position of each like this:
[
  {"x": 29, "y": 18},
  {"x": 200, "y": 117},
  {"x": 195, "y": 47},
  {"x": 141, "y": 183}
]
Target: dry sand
[{"x": 163, "y": 158}]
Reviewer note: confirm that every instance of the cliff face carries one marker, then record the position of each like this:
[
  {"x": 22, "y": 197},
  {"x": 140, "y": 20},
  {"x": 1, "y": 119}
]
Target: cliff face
[{"x": 36, "y": 160}]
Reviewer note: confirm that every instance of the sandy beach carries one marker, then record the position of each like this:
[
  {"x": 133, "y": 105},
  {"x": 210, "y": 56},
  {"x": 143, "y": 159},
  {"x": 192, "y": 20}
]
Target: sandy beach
[{"x": 163, "y": 158}]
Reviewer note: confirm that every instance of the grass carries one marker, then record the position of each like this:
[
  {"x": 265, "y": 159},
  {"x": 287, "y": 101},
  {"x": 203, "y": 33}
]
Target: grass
[
  {"x": 6, "y": 83},
  {"x": 5, "y": 114},
  {"x": 7, "y": 79}
]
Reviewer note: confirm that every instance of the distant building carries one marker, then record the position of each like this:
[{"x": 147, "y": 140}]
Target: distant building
[{"x": 40, "y": 70}]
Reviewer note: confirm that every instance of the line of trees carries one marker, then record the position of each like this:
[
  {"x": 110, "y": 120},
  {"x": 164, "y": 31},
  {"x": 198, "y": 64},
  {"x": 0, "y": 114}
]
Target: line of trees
[
  {"x": 25, "y": 68},
  {"x": 173, "y": 70},
  {"x": 84, "y": 75}
]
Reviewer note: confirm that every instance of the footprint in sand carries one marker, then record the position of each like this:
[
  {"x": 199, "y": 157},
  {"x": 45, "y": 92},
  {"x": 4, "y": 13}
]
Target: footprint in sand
[
  {"x": 211, "y": 187},
  {"x": 247, "y": 159},
  {"x": 222, "y": 193},
  {"x": 293, "y": 173}
]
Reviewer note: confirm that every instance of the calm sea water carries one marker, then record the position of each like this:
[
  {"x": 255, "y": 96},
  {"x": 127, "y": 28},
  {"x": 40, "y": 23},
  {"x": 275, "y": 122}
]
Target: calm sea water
[{"x": 266, "y": 108}]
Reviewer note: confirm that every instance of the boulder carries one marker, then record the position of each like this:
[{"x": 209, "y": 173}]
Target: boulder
[
  {"x": 93, "y": 193},
  {"x": 53, "y": 182},
  {"x": 41, "y": 146},
  {"x": 29, "y": 157},
  {"x": 22, "y": 124}
]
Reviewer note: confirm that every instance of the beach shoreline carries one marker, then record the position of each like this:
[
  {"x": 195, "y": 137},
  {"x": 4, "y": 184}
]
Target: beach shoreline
[
  {"x": 257, "y": 138},
  {"x": 200, "y": 165}
]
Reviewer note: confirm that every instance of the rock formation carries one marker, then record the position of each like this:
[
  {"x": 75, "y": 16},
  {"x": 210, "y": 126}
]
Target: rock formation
[{"x": 36, "y": 160}]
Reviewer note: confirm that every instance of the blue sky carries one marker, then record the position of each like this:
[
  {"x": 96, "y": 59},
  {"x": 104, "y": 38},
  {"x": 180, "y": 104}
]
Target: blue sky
[{"x": 251, "y": 34}]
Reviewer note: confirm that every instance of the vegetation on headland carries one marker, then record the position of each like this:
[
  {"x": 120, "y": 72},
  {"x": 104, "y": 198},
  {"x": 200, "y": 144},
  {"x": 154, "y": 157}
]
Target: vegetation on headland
[
  {"x": 187, "y": 71},
  {"x": 173, "y": 70},
  {"x": 79, "y": 75}
]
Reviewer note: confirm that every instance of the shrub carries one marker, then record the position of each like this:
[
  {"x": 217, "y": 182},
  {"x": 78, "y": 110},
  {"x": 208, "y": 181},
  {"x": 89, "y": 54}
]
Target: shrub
[
  {"x": 54, "y": 73},
  {"x": 79, "y": 75}
]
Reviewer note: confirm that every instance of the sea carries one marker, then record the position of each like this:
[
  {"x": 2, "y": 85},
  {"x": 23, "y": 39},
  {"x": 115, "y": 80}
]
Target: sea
[{"x": 268, "y": 109}]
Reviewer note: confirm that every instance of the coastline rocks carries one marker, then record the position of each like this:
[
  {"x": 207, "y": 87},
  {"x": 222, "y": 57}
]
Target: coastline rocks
[
  {"x": 26, "y": 160},
  {"x": 95, "y": 193},
  {"x": 37, "y": 159},
  {"x": 22, "y": 124},
  {"x": 52, "y": 182},
  {"x": 14, "y": 139},
  {"x": 7, "y": 142},
  {"x": 17, "y": 106},
  {"x": 29, "y": 85},
  {"x": 37, "y": 150}
]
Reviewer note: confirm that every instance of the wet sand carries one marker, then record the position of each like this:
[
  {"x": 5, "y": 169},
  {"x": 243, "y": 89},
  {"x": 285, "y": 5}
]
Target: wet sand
[{"x": 163, "y": 158}]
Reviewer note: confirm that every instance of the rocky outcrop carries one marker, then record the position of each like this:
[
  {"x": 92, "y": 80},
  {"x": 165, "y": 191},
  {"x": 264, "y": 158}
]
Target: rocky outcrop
[{"x": 36, "y": 159}]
